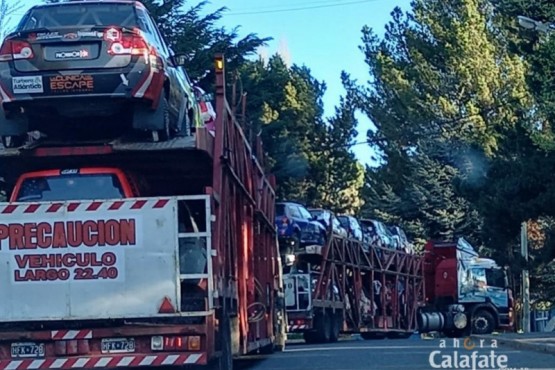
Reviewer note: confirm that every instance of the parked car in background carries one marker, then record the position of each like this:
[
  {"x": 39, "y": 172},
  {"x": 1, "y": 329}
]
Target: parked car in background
[
  {"x": 351, "y": 224},
  {"x": 296, "y": 227},
  {"x": 327, "y": 218},
  {"x": 105, "y": 59},
  {"x": 403, "y": 241},
  {"x": 376, "y": 233}
]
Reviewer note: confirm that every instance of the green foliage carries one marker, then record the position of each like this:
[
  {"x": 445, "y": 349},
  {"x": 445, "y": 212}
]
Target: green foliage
[
  {"x": 309, "y": 155},
  {"x": 199, "y": 38},
  {"x": 445, "y": 93}
]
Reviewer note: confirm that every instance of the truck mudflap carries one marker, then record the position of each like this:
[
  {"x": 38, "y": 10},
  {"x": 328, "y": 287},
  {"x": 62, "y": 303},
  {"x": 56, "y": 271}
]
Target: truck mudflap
[{"x": 115, "y": 361}]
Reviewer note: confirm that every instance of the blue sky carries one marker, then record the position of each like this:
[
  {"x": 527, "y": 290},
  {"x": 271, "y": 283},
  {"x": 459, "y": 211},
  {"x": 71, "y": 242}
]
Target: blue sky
[
  {"x": 324, "y": 35},
  {"x": 325, "y": 38}
]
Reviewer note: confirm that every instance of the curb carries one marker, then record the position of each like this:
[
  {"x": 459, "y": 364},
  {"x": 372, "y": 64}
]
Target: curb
[{"x": 520, "y": 344}]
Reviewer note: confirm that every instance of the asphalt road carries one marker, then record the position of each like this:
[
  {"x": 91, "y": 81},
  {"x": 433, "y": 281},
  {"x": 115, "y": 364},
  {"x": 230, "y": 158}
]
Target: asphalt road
[{"x": 399, "y": 354}]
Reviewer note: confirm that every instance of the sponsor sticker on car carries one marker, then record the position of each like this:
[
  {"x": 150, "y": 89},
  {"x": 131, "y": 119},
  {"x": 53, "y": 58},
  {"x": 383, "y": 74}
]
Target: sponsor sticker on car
[
  {"x": 27, "y": 85},
  {"x": 71, "y": 83}
]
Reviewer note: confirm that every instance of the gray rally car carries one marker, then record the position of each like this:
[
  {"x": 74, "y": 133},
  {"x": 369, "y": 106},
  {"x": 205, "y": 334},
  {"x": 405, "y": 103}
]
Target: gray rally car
[{"x": 70, "y": 60}]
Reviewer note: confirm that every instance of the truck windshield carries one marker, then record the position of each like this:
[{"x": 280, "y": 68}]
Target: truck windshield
[
  {"x": 496, "y": 277},
  {"x": 70, "y": 187}
]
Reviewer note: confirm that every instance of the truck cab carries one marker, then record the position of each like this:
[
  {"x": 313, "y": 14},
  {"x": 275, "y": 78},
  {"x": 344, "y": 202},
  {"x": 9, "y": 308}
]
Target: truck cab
[{"x": 465, "y": 293}]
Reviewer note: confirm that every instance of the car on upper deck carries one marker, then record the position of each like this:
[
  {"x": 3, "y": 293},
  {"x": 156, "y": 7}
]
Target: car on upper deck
[
  {"x": 69, "y": 60},
  {"x": 297, "y": 228}
]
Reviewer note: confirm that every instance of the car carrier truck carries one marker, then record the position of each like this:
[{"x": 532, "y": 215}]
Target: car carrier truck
[
  {"x": 347, "y": 286},
  {"x": 465, "y": 293},
  {"x": 129, "y": 254}
]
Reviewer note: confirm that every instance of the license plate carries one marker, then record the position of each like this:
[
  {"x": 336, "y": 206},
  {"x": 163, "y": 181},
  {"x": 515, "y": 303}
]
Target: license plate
[
  {"x": 77, "y": 52},
  {"x": 118, "y": 345},
  {"x": 27, "y": 350}
]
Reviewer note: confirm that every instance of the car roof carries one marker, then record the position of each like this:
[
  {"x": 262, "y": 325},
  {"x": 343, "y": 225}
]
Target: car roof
[
  {"x": 287, "y": 202},
  {"x": 70, "y": 2}
]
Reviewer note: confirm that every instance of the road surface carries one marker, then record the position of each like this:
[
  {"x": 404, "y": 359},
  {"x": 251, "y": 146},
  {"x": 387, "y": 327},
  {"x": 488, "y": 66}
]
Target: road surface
[{"x": 413, "y": 353}]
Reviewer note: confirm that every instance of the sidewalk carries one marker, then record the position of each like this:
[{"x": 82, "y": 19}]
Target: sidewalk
[{"x": 540, "y": 342}]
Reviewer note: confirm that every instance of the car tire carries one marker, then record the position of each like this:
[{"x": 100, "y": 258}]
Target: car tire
[
  {"x": 165, "y": 133},
  {"x": 12, "y": 141}
]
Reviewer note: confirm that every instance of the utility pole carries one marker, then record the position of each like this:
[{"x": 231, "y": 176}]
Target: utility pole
[{"x": 525, "y": 280}]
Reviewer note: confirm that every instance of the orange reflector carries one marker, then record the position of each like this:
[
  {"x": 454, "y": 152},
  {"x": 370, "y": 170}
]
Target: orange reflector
[
  {"x": 167, "y": 306},
  {"x": 194, "y": 343},
  {"x": 219, "y": 64}
]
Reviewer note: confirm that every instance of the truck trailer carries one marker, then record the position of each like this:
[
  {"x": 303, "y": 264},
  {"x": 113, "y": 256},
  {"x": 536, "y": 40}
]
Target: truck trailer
[
  {"x": 131, "y": 254},
  {"x": 465, "y": 293},
  {"x": 349, "y": 286}
]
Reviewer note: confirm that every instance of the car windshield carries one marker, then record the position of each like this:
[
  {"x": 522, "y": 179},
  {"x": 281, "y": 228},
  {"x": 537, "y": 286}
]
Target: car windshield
[
  {"x": 64, "y": 15},
  {"x": 344, "y": 220},
  {"x": 72, "y": 187},
  {"x": 316, "y": 213}
]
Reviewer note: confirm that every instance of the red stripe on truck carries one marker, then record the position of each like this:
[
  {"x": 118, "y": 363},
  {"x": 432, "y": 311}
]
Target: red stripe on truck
[
  {"x": 9, "y": 209},
  {"x": 71, "y": 334},
  {"x": 32, "y": 208},
  {"x": 161, "y": 203},
  {"x": 106, "y": 361},
  {"x": 54, "y": 207}
]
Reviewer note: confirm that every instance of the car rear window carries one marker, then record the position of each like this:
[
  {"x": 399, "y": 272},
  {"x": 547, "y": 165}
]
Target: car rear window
[
  {"x": 65, "y": 15},
  {"x": 70, "y": 187}
]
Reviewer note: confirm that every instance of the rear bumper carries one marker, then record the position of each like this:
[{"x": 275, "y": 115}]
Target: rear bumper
[
  {"x": 139, "y": 82},
  {"x": 82, "y": 348},
  {"x": 113, "y": 361}
]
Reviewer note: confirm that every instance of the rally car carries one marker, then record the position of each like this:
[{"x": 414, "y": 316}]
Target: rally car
[{"x": 71, "y": 60}]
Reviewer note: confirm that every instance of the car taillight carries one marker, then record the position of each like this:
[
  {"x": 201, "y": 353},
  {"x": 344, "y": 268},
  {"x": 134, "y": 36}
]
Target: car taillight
[
  {"x": 129, "y": 45},
  {"x": 15, "y": 50},
  {"x": 175, "y": 343}
]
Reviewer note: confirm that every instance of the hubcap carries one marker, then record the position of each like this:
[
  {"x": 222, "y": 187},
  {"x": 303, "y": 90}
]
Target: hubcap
[{"x": 481, "y": 323}]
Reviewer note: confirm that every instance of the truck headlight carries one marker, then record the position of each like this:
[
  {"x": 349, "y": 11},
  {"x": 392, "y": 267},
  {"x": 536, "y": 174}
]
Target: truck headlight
[{"x": 460, "y": 320}]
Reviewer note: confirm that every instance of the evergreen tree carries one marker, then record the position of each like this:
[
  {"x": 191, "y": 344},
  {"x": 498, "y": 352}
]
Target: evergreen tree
[
  {"x": 443, "y": 86},
  {"x": 199, "y": 38}
]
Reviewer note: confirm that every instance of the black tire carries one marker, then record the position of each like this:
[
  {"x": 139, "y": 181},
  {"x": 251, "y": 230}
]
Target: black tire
[
  {"x": 296, "y": 238},
  {"x": 12, "y": 141},
  {"x": 225, "y": 361},
  {"x": 482, "y": 322},
  {"x": 372, "y": 336},
  {"x": 267, "y": 350},
  {"x": 322, "y": 324},
  {"x": 310, "y": 337},
  {"x": 165, "y": 133},
  {"x": 335, "y": 326}
]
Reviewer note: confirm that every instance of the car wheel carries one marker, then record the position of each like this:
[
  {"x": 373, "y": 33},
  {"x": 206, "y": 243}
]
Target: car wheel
[{"x": 163, "y": 134}]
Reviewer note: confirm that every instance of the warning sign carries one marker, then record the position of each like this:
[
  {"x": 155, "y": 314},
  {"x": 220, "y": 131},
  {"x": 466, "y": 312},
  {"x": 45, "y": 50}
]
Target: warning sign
[
  {"x": 39, "y": 255},
  {"x": 87, "y": 259}
]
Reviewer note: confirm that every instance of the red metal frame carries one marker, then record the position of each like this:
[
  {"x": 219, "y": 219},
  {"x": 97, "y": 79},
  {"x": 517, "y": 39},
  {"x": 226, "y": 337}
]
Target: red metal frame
[
  {"x": 244, "y": 233},
  {"x": 344, "y": 264},
  {"x": 245, "y": 261}
]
